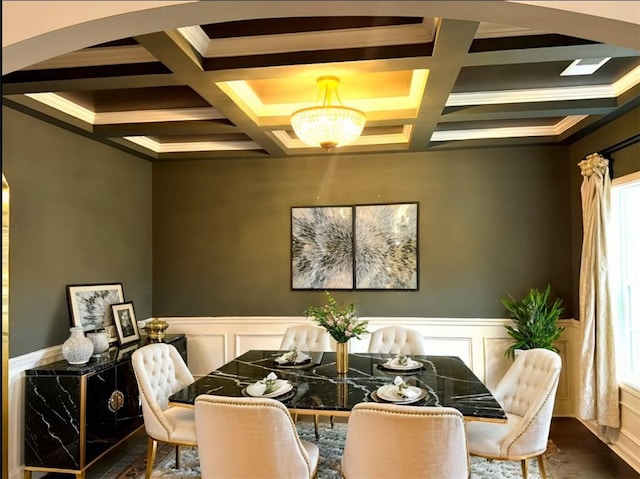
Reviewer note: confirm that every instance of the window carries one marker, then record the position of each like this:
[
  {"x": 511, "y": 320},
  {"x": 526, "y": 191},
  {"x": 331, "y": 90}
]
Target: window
[{"x": 625, "y": 245}]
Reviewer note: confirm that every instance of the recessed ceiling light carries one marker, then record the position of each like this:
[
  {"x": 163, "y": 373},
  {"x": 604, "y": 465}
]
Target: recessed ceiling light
[{"x": 584, "y": 66}]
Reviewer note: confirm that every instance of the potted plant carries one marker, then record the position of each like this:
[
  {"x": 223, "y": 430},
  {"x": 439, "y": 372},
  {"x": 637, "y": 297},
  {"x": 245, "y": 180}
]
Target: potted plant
[{"x": 536, "y": 321}]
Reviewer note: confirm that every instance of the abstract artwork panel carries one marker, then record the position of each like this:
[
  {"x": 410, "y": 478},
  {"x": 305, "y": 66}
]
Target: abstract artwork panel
[
  {"x": 322, "y": 247},
  {"x": 386, "y": 246}
]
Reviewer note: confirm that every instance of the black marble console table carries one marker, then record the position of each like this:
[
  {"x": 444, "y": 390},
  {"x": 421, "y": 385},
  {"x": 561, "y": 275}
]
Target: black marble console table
[{"x": 74, "y": 414}]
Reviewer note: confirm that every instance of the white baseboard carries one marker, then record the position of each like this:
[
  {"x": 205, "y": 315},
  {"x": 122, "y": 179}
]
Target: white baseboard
[{"x": 631, "y": 457}]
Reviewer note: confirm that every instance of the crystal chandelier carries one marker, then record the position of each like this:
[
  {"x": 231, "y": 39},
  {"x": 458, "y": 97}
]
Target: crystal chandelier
[{"x": 330, "y": 124}]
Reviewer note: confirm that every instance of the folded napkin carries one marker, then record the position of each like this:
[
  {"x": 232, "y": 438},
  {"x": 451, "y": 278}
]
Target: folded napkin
[
  {"x": 402, "y": 389},
  {"x": 293, "y": 357},
  {"x": 402, "y": 361},
  {"x": 265, "y": 386}
]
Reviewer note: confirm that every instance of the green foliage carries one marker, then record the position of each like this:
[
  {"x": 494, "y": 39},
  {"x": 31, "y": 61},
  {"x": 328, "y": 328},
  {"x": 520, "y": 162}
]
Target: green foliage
[
  {"x": 341, "y": 323},
  {"x": 536, "y": 321}
]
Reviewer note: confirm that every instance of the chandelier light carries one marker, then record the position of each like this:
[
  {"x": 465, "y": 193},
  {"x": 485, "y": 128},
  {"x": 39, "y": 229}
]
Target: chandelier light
[{"x": 330, "y": 124}]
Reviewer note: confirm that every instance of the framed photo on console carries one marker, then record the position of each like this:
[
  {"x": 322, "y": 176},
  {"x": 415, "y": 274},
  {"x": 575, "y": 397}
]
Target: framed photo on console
[
  {"x": 90, "y": 306},
  {"x": 126, "y": 324}
]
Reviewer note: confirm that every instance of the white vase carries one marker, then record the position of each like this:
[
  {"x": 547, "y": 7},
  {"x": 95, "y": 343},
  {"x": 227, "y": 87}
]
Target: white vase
[
  {"x": 100, "y": 342},
  {"x": 77, "y": 349}
]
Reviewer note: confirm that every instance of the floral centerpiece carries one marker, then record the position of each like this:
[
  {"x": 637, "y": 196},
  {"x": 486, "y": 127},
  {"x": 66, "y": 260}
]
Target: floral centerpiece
[{"x": 341, "y": 323}]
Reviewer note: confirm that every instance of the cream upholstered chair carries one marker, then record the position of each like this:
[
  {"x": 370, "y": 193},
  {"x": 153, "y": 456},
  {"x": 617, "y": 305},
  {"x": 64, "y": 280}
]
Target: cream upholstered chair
[
  {"x": 160, "y": 371},
  {"x": 397, "y": 339},
  {"x": 249, "y": 438},
  {"x": 527, "y": 393},
  {"x": 389, "y": 440},
  {"x": 306, "y": 337}
]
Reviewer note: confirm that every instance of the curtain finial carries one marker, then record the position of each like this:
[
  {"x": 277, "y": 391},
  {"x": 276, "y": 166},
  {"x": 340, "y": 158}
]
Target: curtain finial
[{"x": 592, "y": 163}]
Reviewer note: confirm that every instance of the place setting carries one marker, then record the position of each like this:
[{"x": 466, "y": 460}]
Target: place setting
[
  {"x": 399, "y": 392},
  {"x": 401, "y": 364},
  {"x": 270, "y": 387},
  {"x": 295, "y": 359}
]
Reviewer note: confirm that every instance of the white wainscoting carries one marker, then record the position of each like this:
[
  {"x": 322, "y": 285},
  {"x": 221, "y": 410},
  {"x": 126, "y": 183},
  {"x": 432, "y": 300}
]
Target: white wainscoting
[
  {"x": 480, "y": 342},
  {"x": 628, "y": 444}
]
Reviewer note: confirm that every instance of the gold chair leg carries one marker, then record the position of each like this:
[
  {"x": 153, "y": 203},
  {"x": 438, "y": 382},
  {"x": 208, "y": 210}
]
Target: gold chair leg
[
  {"x": 525, "y": 468},
  {"x": 177, "y": 457},
  {"x": 315, "y": 425},
  {"x": 543, "y": 472},
  {"x": 152, "y": 447}
]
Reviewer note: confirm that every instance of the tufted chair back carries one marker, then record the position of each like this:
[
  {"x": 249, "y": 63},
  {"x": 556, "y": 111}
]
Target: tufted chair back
[
  {"x": 396, "y": 339},
  {"x": 249, "y": 438},
  {"x": 160, "y": 371},
  {"x": 527, "y": 394},
  {"x": 306, "y": 337},
  {"x": 393, "y": 441},
  {"x": 528, "y": 391}
]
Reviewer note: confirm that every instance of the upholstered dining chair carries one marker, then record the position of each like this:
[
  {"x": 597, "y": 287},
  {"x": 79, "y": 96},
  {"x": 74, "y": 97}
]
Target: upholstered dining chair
[
  {"x": 306, "y": 337},
  {"x": 160, "y": 371},
  {"x": 397, "y": 339},
  {"x": 389, "y": 440},
  {"x": 249, "y": 438},
  {"x": 527, "y": 394}
]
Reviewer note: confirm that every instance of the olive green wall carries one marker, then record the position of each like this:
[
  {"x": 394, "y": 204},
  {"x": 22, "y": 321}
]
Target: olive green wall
[
  {"x": 491, "y": 221},
  {"x": 80, "y": 213},
  {"x": 625, "y": 161}
]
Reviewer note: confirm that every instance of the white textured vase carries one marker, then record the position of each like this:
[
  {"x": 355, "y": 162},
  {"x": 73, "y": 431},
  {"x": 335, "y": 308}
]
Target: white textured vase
[
  {"x": 100, "y": 342},
  {"x": 77, "y": 349}
]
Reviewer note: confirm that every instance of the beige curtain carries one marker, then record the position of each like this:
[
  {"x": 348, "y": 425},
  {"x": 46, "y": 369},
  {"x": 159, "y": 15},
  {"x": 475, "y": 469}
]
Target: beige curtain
[{"x": 599, "y": 399}]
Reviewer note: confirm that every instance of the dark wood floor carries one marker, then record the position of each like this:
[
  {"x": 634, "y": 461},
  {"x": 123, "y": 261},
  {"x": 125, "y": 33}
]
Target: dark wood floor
[{"x": 582, "y": 455}]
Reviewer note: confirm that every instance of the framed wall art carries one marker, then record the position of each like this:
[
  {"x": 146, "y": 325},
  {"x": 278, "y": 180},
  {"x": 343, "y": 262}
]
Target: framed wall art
[
  {"x": 373, "y": 247},
  {"x": 125, "y": 320},
  {"x": 90, "y": 306},
  {"x": 322, "y": 247},
  {"x": 386, "y": 246}
]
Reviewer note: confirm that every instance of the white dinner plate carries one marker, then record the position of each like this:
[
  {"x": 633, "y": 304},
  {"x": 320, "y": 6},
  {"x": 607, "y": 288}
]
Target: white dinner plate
[
  {"x": 283, "y": 387},
  {"x": 384, "y": 393}
]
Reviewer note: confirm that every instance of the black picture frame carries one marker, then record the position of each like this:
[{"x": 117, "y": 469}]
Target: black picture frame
[
  {"x": 124, "y": 317},
  {"x": 90, "y": 306},
  {"x": 386, "y": 246},
  {"x": 322, "y": 247},
  {"x": 362, "y": 247}
]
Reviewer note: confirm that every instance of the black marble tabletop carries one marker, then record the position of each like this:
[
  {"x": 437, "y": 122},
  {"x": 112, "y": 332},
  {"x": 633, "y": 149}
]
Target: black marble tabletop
[{"x": 318, "y": 388}]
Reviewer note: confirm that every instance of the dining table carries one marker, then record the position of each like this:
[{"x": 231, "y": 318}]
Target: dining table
[{"x": 314, "y": 386}]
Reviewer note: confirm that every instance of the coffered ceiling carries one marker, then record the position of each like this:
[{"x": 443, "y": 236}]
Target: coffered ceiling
[{"x": 227, "y": 90}]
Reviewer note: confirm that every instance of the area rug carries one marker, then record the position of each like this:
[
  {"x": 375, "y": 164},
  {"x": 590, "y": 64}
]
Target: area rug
[{"x": 331, "y": 444}]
